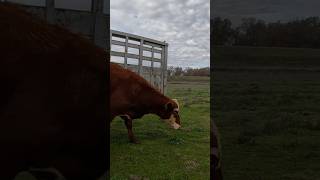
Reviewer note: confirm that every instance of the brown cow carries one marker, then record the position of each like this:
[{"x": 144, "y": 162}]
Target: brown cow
[
  {"x": 132, "y": 97},
  {"x": 53, "y": 99}
]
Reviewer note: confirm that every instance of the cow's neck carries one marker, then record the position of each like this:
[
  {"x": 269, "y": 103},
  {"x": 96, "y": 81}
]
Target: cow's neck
[{"x": 154, "y": 102}]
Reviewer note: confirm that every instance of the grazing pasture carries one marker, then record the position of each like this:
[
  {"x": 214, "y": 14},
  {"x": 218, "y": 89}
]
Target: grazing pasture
[
  {"x": 165, "y": 153},
  {"x": 267, "y": 108}
]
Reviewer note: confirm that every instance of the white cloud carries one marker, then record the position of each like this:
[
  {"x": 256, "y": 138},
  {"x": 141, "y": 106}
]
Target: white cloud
[{"x": 183, "y": 24}]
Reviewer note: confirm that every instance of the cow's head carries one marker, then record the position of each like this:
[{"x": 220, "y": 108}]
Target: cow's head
[{"x": 171, "y": 115}]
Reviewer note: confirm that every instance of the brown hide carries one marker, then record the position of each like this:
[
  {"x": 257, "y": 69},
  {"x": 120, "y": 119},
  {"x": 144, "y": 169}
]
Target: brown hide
[{"x": 52, "y": 99}]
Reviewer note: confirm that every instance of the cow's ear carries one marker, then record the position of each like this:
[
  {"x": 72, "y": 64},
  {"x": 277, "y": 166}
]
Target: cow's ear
[{"x": 168, "y": 106}]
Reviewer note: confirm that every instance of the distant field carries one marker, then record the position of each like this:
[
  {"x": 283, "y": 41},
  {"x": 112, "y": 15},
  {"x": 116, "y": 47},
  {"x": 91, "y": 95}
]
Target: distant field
[
  {"x": 165, "y": 153},
  {"x": 266, "y": 57},
  {"x": 182, "y": 79},
  {"x": 268, "y": 117}
]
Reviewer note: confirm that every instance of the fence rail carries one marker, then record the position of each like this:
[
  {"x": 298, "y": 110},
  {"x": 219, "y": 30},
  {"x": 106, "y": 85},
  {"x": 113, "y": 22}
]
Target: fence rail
[{"x": 152, "y": 68}]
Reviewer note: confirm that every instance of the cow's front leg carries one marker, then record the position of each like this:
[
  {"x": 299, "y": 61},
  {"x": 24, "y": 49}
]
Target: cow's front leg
[{"x": 128, "y": 122}]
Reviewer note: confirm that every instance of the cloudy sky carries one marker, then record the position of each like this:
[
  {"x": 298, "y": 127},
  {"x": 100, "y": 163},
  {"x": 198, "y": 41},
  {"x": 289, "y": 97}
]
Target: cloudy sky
[
  {"x": 184, "y": 24},
  {"x": 268, "y": 10}
]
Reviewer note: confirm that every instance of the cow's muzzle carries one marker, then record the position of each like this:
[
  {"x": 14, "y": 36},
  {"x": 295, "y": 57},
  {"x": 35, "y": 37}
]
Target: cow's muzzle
[{"x": 173, "y": 121}]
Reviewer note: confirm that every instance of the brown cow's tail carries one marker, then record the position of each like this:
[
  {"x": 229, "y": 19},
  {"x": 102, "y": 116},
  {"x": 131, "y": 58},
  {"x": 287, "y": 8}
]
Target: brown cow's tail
[{"x": 216, "y": 167}]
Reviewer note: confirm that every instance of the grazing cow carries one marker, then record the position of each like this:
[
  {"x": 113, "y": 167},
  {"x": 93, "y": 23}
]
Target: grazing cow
[
  {"x": 53, "y": 99},
  {"x": 132, "y": 97}
]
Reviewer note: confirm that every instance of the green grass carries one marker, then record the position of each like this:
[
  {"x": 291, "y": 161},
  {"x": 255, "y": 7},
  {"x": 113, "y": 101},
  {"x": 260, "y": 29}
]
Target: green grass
[
  {"x": 268, "y": 119},
  {"x": 165, "y": 153}
]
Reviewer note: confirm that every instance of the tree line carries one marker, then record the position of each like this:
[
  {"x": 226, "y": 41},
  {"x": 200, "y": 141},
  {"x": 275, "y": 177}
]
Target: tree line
[
  {"x": 179, "y": 71},
  {"x": 299, "y": 33}
]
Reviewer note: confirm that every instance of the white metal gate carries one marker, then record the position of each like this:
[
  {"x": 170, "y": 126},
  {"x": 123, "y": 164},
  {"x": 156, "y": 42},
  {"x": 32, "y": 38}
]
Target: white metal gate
[{"x": 145, "y": 56}]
